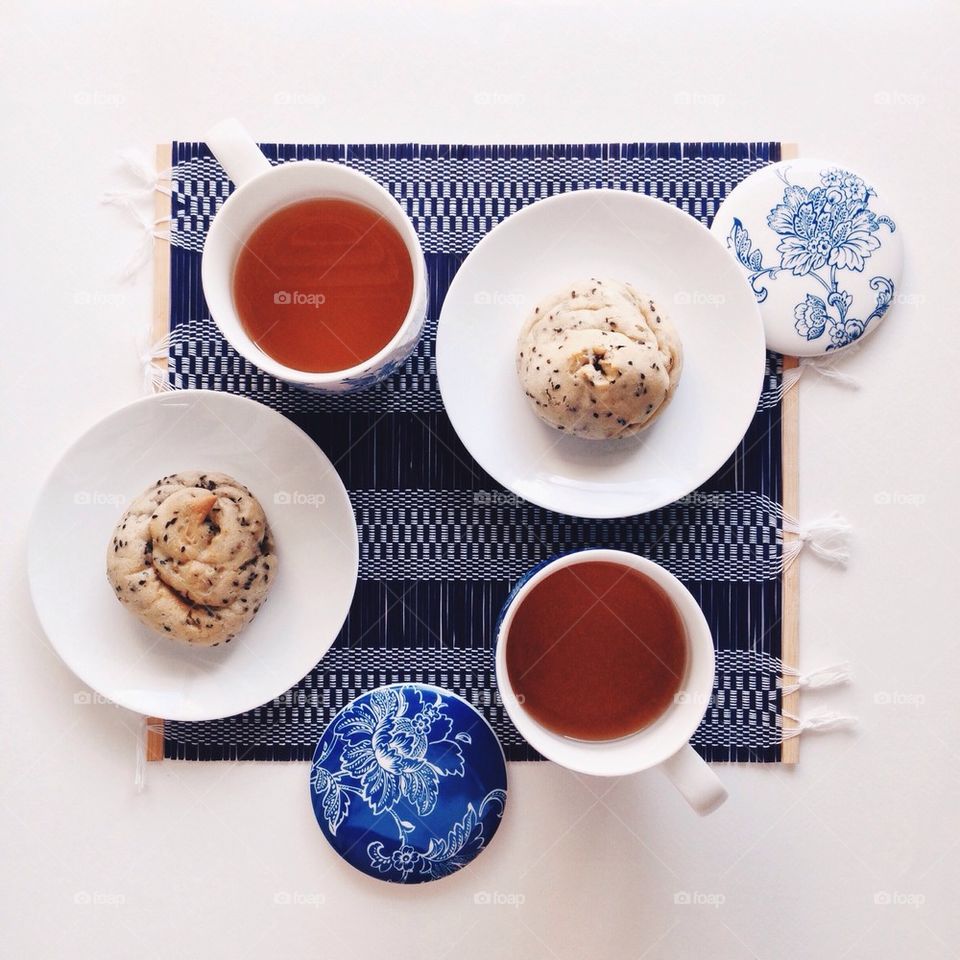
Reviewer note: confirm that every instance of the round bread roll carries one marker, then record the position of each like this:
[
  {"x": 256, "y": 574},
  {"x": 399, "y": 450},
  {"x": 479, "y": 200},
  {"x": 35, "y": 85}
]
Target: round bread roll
[
  {"x": 193, "y": 558},
  {"x": 598, "y": 360}
]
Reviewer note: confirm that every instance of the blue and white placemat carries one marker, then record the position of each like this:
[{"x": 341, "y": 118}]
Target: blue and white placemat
[{"x": 440, "y": 542}]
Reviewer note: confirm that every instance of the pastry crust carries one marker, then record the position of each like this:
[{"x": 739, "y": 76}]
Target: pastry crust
[
  {"x": 193, "y": 558},
  {"x": 599, "y": 360}
]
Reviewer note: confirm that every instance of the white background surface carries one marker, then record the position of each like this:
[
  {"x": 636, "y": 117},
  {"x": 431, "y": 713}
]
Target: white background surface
[{"x": 199, "y": 864}]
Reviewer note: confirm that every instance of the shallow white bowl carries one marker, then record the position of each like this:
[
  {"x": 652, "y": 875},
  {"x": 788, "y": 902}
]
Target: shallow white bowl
[
  {"x": 664, "y": 253},
  {"x": 112, "y": 463}
]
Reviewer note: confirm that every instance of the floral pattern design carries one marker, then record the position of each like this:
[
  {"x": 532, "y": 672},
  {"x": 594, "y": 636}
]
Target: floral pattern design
[
  {"x": 444, "y": 856},
  {"x": 390, "y": 750},
  {"x": 823, "y": 231}
]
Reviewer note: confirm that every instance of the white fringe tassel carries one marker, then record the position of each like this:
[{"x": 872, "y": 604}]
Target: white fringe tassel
[
  {"x": 151, "y": 230},
  {"x": 130, "y": 199},
  {"x": 818, "y": 722},
  {"x": 153, "y": 360},
  {"x": 148, "y": 178},
  {"x": 828, "y": 538},
  {"x": 825, "y": 366},
  {"x": 155, "y": 378},
  {"x": 824, "y": 677}
]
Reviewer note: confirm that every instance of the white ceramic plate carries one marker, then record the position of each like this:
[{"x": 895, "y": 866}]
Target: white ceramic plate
[
  {"x": 94, "y": 482},
  {"x": 664, "y": 253}
]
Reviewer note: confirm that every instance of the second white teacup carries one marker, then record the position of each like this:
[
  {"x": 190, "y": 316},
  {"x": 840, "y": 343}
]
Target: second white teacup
[
  {"x": 263, "y": 189},
  {"x": 665, "y": 742}
]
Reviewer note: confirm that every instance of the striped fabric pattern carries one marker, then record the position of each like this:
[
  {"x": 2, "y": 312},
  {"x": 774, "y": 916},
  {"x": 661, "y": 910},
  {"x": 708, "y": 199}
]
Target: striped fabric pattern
[{"x": 440, "y": 542}]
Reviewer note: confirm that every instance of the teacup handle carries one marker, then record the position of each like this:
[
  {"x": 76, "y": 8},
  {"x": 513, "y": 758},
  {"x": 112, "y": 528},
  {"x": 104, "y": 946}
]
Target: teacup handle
[
  {"x": 691, "y": 775},
  {"x": 237, "y": 152}
]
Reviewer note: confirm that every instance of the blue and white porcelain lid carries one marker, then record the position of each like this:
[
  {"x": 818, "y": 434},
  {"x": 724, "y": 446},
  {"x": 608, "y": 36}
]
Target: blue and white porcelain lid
[
  {"x": 820, "y": 249},
  {"x": 408, "y": 783}
]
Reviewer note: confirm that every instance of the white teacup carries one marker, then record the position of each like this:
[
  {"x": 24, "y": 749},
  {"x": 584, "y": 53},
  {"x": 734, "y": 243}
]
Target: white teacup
[
  {"x": 664, "y": 742},
  {"x": 262, "y": 189}
]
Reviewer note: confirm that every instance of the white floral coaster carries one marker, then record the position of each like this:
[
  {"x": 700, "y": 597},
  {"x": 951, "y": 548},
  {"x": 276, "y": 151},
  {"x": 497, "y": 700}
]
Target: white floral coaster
[{"x": 820, "y": 250}]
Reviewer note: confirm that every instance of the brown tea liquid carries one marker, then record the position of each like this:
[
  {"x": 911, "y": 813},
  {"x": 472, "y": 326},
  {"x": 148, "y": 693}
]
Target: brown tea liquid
[
  {"x": 596, "y": 651},
  {"x": 322, "y": 285}
]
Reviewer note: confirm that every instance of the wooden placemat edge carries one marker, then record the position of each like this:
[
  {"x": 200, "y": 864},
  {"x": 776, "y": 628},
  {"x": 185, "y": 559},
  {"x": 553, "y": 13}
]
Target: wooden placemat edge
[
  {"x": 161, "y": 256},
  {"x": 790, "y": 624},
  {"x": 159, "y": 328}
]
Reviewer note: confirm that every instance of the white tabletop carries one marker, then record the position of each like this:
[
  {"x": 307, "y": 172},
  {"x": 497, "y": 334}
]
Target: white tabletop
[{"x": 854, "y": 852}]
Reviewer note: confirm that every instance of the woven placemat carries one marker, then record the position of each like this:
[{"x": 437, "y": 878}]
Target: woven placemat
[{"x": 441, "y": 543}]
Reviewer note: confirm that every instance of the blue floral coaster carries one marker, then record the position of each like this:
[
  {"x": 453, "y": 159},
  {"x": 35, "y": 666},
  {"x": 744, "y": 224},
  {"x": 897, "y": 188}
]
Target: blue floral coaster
[
  {"x": 820, "y": 250},
  {"x": 408, "y": 783}
]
